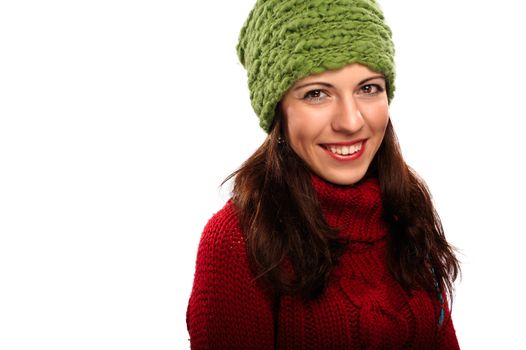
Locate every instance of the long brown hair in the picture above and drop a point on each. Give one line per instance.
(282, 221)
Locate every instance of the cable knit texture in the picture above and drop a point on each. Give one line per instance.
(283, 41)
(363, 307)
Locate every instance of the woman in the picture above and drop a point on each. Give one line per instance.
(330, 241)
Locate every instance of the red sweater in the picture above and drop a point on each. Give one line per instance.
(363, 307)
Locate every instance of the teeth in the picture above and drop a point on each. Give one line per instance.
(346, 150)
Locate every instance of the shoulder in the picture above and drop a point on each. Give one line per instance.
(224, 224)
(222, 257)
(225, 219)
(222, 236)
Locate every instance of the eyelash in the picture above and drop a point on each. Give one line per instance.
(307, 95)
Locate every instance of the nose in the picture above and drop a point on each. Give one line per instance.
(347, 116)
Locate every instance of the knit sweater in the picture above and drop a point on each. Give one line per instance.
(362, 307)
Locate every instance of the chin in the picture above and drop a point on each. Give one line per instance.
(342, 179)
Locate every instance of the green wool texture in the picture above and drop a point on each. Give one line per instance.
(283, 41)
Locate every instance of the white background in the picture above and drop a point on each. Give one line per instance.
(120, 119)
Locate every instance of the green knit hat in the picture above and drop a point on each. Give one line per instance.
(283, 41)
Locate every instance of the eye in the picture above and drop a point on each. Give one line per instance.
(372, 89)
(314, 95)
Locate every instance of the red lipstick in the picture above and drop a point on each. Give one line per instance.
(344, 158)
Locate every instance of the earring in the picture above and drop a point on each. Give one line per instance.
(281, 141)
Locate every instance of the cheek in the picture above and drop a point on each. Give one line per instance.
(297, 135)
(302, 126)
(378, 118)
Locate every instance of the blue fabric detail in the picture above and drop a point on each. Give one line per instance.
(441, 316)
(440, 299)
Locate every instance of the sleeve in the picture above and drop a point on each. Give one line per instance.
(227, 308)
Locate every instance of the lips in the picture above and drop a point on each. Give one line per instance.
(345, 150)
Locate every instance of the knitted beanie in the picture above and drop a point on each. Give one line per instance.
(283, 41)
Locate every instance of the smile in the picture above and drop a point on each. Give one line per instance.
(345, 151)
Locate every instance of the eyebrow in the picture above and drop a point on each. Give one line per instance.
(329, 85)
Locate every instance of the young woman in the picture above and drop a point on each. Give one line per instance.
(330, 240)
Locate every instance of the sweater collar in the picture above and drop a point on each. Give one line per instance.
(356, 210)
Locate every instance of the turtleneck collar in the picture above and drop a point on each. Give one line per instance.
(356, 210)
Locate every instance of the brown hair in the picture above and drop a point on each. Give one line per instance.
(282, 221)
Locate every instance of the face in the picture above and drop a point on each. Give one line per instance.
(335, 121)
